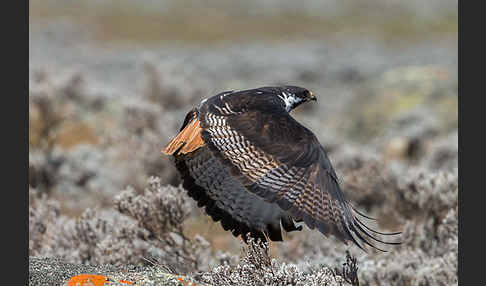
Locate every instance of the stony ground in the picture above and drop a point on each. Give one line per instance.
(101, 108)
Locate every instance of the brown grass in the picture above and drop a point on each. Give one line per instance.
(126, 22)
(76, 133)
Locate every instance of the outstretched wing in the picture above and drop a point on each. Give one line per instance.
(281, 161)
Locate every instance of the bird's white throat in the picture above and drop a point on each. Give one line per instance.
(290, 100)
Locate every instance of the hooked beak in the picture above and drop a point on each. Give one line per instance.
(313, 96)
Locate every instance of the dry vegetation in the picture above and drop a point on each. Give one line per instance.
(220, 22)
(77, 213)
(100, 191)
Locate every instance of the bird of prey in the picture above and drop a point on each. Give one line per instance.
(256, 169)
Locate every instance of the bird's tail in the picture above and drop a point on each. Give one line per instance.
(188, 140)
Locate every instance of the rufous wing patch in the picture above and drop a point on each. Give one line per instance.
(189, 139)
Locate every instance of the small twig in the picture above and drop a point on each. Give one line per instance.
(350, 270)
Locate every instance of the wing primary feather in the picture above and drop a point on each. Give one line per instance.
(372, 230)
(374, 238)
(361, 214)
(354, 240)
(355, 231)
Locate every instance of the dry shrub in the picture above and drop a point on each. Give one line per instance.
(364, 182)
(53, 101)
(172, 88)
(433, 262)
(56, 106)
(161, 211)
(43, 169)
(43, 212)
(143, 228)
(420, 195)
(257, 267)
(396, 191)
(74, 176)
(81, 143)
(155, 210)
(140, 117)
(145, 127)
(443, 153)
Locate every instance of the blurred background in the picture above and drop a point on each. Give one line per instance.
(110, 82)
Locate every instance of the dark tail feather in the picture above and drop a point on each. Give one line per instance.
(372, 230)
(358, 234)
(358, 228)
(354, 240)
(374, 238)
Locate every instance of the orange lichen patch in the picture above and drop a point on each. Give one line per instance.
(184, 283)
(189, 138)
(87, 279)
(93, 280)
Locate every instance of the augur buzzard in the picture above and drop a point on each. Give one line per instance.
(255, 168)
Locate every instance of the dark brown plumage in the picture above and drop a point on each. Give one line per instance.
(255, 168)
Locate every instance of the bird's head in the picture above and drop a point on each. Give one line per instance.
(293, 96)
